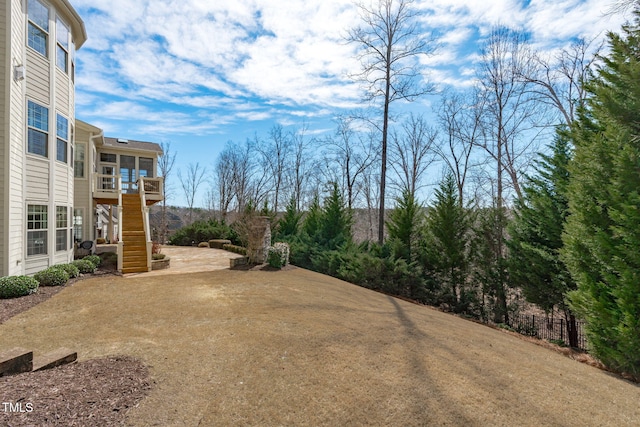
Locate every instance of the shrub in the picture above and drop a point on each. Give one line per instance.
(158, 256)
(70, 269)
(278, 255)
(203, 245)
(52, 276)
(17, 286)
(236, 249)
(203, 231)
(93, 259)
(85, 266)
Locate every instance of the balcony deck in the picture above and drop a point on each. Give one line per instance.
(106, 189)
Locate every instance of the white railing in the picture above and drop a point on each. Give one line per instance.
(120, 242)
(107, 184)
(151, 186)
(143, 185)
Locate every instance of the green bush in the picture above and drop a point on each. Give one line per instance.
(236, 249)
(17, 286)
(203, 245)
(158, 256)
(93, 259)
(85, 266)
(70, 269)
(52, 276)
(203, 231)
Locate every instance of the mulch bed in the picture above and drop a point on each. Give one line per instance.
(96, 392)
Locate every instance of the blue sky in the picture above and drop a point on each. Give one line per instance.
(198, 73)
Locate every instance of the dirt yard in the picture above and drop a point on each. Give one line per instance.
(299, 348)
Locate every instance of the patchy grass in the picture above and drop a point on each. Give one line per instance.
(299, 348)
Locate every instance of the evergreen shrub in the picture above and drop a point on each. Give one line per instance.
(52, 276)
(85, 266)
(17, 286)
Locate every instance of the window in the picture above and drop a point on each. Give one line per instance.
(79, 161)
(146, 167)
(38, 132)
(62, 46)
(107, 157)
(62, 222)
(38, 26)
(77, 225)
(128, 173)
(62, 131)
(36, 229)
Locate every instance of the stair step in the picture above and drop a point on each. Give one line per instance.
(15, 361)
(62, 356)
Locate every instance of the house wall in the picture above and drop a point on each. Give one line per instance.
(5, 82)
(15, 161)
(82, 197)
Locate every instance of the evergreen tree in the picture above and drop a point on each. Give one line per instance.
(311, 224)
(536, 236)
(602, 236)
(289, 224)
(335, 221)
(404, 224)
(448, 245)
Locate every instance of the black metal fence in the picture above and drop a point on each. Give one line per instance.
(547, 328)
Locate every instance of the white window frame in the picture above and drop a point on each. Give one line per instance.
(62, 228)
(40, 28)
(62, 45)
(37, 228)
(80, 160)
(37, 125)
(62, 138)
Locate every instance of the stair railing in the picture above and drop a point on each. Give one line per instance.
(145, 219)
(120, 242)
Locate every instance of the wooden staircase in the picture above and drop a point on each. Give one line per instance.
(134, 254)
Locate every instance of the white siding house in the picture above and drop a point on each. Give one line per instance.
(48, 162)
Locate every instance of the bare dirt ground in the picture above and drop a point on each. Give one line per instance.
(299, 348)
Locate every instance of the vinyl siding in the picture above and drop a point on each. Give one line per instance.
(39, 78)
(63, 99)
(16, 162)
(5, 82)
(38, 179)
(63, 188)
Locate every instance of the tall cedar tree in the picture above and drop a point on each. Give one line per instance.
(404, 224)
(448, 229)
(602, 236)
(335, 222)
(536, 236)
(289, 224)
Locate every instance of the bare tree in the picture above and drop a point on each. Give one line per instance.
(275, 153)
(190, 184)
(165, 165)
(413, 152)
(461, 120)
(390, 43)
(223, 176)
(558, 82)
(351, 155)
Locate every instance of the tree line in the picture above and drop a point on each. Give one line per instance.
(533, 174)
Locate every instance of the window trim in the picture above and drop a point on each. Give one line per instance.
(62, 227)
(78, 227)
(32, 126)
(60, 47)
(60, 139)
(44, 31)
(37, 217)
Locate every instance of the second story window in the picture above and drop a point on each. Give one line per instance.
(62, 46)
(38, 26)
(79, 161)
(38, 129)
(62, 141)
